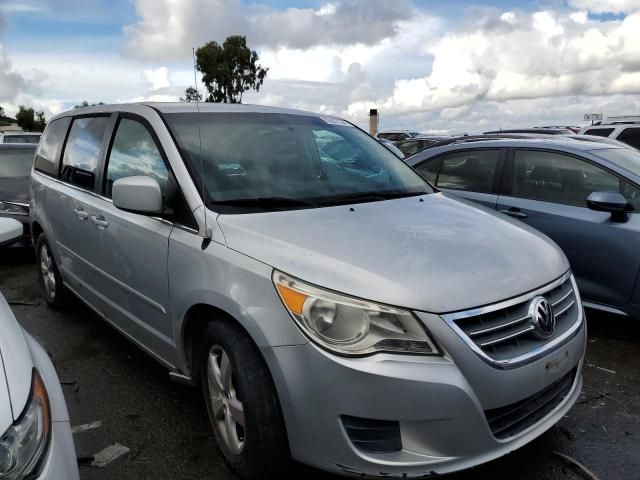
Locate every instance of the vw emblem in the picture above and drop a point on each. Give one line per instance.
(542, 317)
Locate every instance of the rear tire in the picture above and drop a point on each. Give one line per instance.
(242, 403)
(55, 293)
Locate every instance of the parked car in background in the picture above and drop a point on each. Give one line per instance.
(16, 162)
(414, 145)
(35, 433)
(585, 196)
(535, 130)
(391, 146)
(396, 135)
(626, 131)
(286, 262)
(20, 137)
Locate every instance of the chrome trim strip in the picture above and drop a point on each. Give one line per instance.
(564, 297)
(508, 337)
(532, 355)
(604, 308)
(507, 303)
(565, 308)
(475, 333)
(126, 287)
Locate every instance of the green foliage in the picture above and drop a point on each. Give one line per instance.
(230, 69)
(86, 104)
(29, 120)
(191, 95)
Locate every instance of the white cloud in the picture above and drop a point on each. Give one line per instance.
(168, 29)
(606, 6)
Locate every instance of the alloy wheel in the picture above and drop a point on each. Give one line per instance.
(227, 409)
(47, 269)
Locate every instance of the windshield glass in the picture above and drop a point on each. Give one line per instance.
(626, 158)
(21, 139)
(253, 158)
(16, 163)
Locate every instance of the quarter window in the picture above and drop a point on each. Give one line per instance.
(557, 178)
(134, 152)
(429, 170)
(469, 170)
(630, 136)
(50, 145)
(82, 151)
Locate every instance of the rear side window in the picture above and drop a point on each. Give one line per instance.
(472, 171)
(429, 170)
(50, 146)
(134, 152)
(630, 136)
(82, 151)
(599, 132)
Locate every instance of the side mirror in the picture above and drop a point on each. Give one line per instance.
(10, 231)
(139, 194)
(611, 202)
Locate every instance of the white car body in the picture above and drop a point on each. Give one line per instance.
(628, 133)
(20, 357)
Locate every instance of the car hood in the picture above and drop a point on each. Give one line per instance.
(15, 189)
(16, 366)
(432, 253)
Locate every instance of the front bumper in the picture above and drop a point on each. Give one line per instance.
(25, 240)
(439, 408)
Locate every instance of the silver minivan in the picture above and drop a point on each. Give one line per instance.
(336, 309)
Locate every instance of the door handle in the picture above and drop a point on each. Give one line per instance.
(81, 213)
(100, 221)
(514, 212)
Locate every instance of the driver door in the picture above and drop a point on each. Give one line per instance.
(548, 190)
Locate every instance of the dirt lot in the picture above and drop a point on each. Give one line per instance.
(164, 424)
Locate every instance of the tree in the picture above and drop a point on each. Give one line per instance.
(86, 104)
(29, 120)
(1, 112)
(230, 69)
(191, 95)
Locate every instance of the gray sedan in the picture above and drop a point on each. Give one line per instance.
(584, 195)
(16, 161)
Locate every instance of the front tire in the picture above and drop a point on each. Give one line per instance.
(242, 403)
(55, 293)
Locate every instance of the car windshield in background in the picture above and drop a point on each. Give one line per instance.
(16, 163)
(626, 158)
(282, 160)
(21, 139)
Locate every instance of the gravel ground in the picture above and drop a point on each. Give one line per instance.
(105, 378)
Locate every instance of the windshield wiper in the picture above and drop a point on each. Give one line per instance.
(264, 202)
(368, 197)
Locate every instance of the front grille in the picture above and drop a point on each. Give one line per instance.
(505, 422)
(508, 331)
(373, 436)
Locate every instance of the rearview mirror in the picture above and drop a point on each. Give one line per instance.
(10, 231)
(611, 202)
(138, 194)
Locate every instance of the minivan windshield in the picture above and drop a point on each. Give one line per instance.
(21, 139)
(272, 160)
(16, 163)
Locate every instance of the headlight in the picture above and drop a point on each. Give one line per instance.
(24, 445)
(349, 326)
(9, 208)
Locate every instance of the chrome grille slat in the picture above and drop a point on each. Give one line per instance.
(564, 297)
(504, 334)
(507, 337)
(565, 308)
(484, 331)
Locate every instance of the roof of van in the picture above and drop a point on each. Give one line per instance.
(186, 107)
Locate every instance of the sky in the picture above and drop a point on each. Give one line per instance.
(439, 66)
